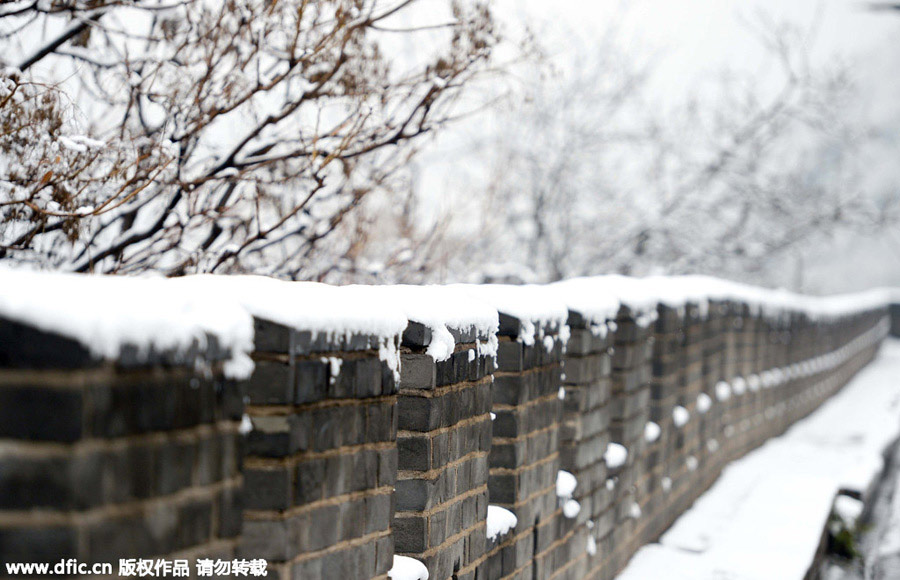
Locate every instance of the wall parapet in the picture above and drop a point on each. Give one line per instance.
(328, 429)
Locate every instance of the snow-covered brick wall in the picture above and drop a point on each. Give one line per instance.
(698, 343)
(129, 321)
(322, 436)
(527, 401)
(444, 438)
(120, 430)
(585, 424)
(365, 414)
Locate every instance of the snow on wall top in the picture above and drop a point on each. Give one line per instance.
(442, 309)
(436, 306)
(107, 313)
(382, 311)
(894, 294)
(319, 308)
(676, 291)
(592, 298)
(535, 306)
(598, 298)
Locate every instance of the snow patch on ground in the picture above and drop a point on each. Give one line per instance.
(565, 484)
(571, 508)
(704, 402)
(777, 498)
(651, 432)
(406, 568)
(499, 521)
(680, 416)
(615, 456)
(246, 425)
(723, 391)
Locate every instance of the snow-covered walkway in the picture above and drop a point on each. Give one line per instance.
(763, 518)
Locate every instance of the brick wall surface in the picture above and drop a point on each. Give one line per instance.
(321, 460)
(585, 435)
(525, 454)
(443, 441)
(101, 460)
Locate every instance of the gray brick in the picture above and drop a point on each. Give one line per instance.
(267, 539)
(419, 413)
(230, 511)
(414, 453)
(41, 413)
(24, 346)
(271, 337)
(378, 513)
(271, 383)
(387, 467)
(510, 356)
(416, 335)
(384, 550)
(312, 380)
(414, 494)
(409, 534)
(194, 523)
(38, 544)
(268, 489)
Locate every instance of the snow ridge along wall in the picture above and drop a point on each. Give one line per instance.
(895, 316)
(330, 429)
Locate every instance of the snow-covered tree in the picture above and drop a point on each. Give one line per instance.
(216, 135)
(595, 172)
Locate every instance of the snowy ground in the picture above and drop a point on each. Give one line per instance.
(764, 517)
(879, 543)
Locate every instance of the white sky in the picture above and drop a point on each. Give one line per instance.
(696, 37)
